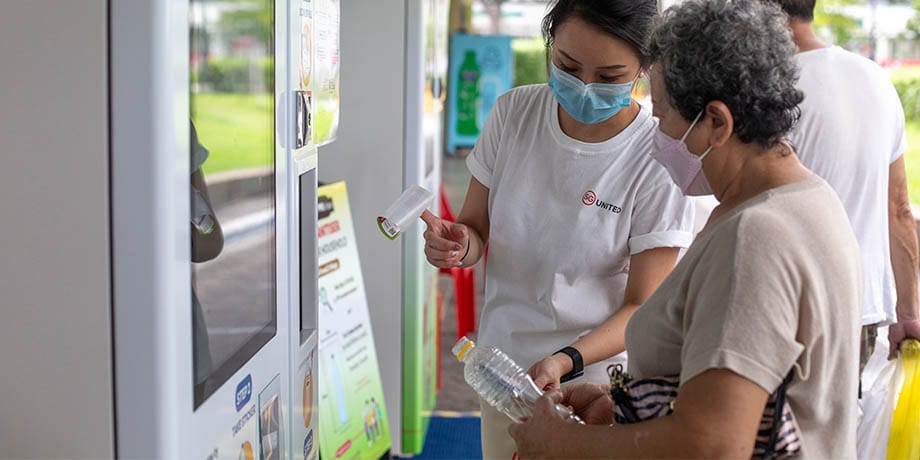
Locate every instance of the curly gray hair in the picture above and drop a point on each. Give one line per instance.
(737, 52)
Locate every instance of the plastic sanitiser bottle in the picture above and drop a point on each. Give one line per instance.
(500, 381)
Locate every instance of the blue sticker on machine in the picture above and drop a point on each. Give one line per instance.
(243, 393)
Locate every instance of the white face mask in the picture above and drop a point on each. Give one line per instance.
(685, 168)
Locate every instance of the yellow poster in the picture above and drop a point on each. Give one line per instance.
(352, 415)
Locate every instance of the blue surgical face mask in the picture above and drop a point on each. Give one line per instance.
(591, 103)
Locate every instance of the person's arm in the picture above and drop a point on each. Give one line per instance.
(902, 230)
(647, 270)
(447, 242)
(716, 415)
(462, 243)
(475, 215)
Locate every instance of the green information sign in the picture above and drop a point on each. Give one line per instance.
(352, 415)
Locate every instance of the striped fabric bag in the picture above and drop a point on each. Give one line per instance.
(644, 399)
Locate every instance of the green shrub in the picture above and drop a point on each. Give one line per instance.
(232, 75)
(907, 81)
(223, 75)
(268, 73)
(908, 87)
(529, 61)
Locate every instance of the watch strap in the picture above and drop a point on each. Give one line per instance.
(578, 364)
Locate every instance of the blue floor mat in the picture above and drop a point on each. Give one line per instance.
(452, 438)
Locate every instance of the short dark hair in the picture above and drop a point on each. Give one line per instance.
(798, 9)
(628, 20)
(738, 52)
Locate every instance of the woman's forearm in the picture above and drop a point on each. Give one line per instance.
(647, 270)
(663, 437)
(476, 246)
(475, 217)
(608, 339)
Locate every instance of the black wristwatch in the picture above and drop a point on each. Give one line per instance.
(578, 365)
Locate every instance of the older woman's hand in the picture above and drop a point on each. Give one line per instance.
(543, 434)
(590, 401)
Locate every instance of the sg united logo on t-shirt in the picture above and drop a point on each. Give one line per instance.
(590, 198)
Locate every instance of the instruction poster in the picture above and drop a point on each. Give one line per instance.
(326, 33)
(352, 415)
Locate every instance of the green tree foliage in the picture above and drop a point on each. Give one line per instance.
(249, 18)
(913, 24)
(834, 24)
(907, 82)
(529, 61)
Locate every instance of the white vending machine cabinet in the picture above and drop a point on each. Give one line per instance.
(160, 263)
(214, 211)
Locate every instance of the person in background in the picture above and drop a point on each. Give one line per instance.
(770, 289)
(582, 223)
(852, 134)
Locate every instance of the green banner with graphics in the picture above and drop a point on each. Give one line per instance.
(352, 415)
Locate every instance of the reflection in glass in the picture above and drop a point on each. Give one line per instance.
(232, 186)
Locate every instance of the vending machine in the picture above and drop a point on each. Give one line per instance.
(213, 182)
(160, 294)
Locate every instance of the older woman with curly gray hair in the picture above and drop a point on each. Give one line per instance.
(762, 313)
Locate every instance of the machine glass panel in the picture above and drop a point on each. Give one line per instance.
(232, 193)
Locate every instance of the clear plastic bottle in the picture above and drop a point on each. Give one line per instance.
(500, 381)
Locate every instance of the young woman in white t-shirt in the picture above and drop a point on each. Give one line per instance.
(582, 224)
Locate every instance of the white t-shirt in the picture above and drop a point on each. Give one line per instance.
(565, 217)
(771, 286)
(851, 130)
